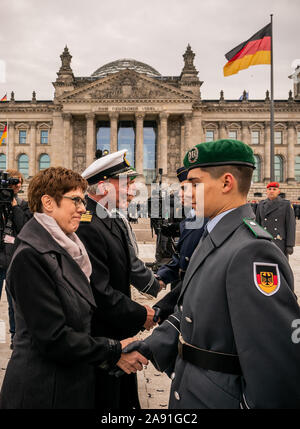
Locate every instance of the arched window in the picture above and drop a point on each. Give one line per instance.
(23, 165)
(297, 168)
(257, 172)
(2, 161)
(44, 161)
(278, 168)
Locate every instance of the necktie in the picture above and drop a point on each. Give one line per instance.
(205, 233)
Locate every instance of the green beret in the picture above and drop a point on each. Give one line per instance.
(219, 152)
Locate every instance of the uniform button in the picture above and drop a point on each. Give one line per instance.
(275, 229)
(266, 218)
(177, 396)
(172, 375)
(187, 258)
(181, 308)
(188, 319)
(275, 220)
(265, 227)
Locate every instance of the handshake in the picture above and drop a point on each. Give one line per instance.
(134, 355)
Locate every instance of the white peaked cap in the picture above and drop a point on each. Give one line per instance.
(107, 166)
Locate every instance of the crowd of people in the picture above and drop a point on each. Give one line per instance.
(223, 332)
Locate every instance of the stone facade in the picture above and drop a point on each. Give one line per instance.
(129, 90)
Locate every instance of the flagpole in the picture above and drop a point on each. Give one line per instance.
(272, 110)
(6, 164)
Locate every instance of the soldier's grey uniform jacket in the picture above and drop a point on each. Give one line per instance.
(278, 218)
(237, 299)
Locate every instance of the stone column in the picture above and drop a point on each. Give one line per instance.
(163, 116)
(222, 130)
(113, 131)
(291, 140)
(245, 132)
(57, 140)
(188, 144)
(267, 152)
(68, 140)
(182, 134)
(10, 146)
(139, 142)
(90, 138)
(158, 148)
(32, 150)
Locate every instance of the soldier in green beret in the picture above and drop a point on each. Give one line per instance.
(230, 341)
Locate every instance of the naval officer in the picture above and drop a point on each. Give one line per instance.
(231, 340)
(114, 268)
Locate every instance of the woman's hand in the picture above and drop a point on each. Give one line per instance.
(131, 362)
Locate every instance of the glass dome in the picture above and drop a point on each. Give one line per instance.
(123, 64)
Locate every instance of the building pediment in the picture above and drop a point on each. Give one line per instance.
(125, 86)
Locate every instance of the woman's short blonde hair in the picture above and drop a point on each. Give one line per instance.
(53, 181)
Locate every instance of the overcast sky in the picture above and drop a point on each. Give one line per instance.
(34, 33)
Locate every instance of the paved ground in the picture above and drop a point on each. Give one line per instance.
(153, 386)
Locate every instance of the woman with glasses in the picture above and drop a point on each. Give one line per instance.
(54, 356)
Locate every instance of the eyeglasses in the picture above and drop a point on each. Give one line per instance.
(76, 200)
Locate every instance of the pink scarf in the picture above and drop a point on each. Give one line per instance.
(70, 242)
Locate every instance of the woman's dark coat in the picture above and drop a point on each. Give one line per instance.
(54, 357)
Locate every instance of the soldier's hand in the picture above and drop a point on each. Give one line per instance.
(132, 362)
(162, 285)
(149, 321)
(289, 250)
(156, 317)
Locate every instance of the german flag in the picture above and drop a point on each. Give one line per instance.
(256, 50)
(4, 135)
(4, 98)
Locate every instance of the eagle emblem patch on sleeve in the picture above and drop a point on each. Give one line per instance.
(266, 277)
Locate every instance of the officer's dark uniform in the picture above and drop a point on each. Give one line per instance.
(231, 338)
(278, 218)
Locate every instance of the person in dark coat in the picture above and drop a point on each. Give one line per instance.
(54, 358)
(14, 222)
(277, 216)
(191, 230)
(231, 341)
(110, 250)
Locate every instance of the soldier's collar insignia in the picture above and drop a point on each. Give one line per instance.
(86, 217)
(256, 229)
(266, 277)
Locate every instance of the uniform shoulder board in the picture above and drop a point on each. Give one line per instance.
(86, 217)
(257, 230)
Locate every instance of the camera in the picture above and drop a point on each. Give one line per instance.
(6, 193)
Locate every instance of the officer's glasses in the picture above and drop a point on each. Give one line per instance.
(76, 200)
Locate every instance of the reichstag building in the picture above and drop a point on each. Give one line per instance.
(129, 104)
